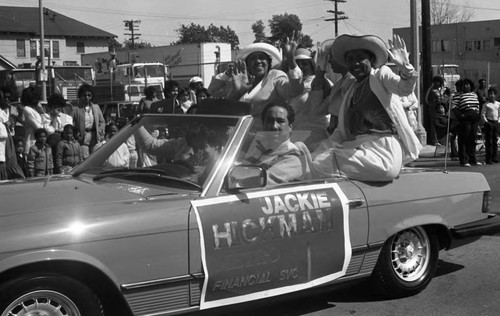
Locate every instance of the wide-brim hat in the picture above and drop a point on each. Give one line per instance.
(345, 43)
(195, 79)
(269, 49)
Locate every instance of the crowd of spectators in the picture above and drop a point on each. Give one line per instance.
(56, 137)
(463, 119)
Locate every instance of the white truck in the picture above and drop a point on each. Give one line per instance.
(183, 61)
(449, 72)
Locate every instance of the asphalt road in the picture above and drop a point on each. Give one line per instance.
(467, 281)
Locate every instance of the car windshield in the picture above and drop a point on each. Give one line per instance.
(183, 147)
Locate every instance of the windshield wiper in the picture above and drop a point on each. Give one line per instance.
(129, 172)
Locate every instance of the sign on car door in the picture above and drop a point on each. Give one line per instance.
(272, 242)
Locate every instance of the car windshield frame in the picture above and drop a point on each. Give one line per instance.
(94, 165)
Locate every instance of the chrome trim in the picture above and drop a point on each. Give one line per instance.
(216, 179)
(378, 244)
(356, 202)
(360, 248)
(138, 285)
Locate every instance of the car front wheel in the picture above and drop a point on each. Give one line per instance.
(48, 295)
(406, 263)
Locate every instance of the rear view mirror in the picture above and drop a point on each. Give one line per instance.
(246, 177)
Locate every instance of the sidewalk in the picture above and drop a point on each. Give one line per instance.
(433, 157)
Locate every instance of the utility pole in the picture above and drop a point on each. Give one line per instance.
(415, 61)
(132, 26)
(42, 72)
(338, 15)
(426, 71)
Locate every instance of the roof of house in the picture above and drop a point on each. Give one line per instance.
(25, 20)
(6, 64)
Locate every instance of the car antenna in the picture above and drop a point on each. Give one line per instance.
(447, 136)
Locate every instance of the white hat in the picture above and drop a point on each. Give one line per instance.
(374, 44)
(269, 49)
(195, 79)
(303, 53)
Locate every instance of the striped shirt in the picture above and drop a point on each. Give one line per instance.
(465, 101)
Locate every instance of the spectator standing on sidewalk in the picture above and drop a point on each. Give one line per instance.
(88, 120)
(150, 98)
(466, 109)
(482, 93)
(68, 151)
(436, 95)
(169, 105)
(40, 159)
(31, 118)
(490, 114)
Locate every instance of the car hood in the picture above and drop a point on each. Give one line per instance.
(44, 212)
(65, 192)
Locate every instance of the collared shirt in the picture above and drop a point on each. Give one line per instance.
(89, 118)
(58, 122)
(490, 111)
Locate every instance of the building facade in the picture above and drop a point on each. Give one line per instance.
(473, 46)
(66, 39)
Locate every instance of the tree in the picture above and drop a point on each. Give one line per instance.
(195, 33)
(127, 44)
(444, 12)
(281, 26)
(258, 29)
(114, 45)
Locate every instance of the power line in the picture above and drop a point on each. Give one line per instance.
(338, 15)
(132, 26)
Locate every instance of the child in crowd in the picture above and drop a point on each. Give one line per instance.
(22, 160)
(121, 156)
(40, 160)
(490, 114)
(69, 152)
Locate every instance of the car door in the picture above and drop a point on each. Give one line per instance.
(270, 240)
(275, 240)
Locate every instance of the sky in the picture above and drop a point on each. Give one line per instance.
(160, 18)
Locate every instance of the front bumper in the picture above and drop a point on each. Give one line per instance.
(465, 233)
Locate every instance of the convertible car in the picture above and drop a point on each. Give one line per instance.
(195, 223)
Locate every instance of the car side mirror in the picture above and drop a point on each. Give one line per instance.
(246, 177)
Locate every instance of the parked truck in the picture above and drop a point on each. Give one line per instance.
(134, 78)
(60, 79)
(120, 88)
(183, 61)
(67, 79)
(13, 81)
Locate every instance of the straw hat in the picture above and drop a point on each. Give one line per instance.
(374, 44)
(269, 49)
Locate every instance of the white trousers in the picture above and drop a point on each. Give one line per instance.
(371, 157)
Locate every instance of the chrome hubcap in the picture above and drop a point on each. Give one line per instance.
(410, 254)
(42, 303)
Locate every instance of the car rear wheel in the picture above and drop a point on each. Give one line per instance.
(48, 295)
(406, 263)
